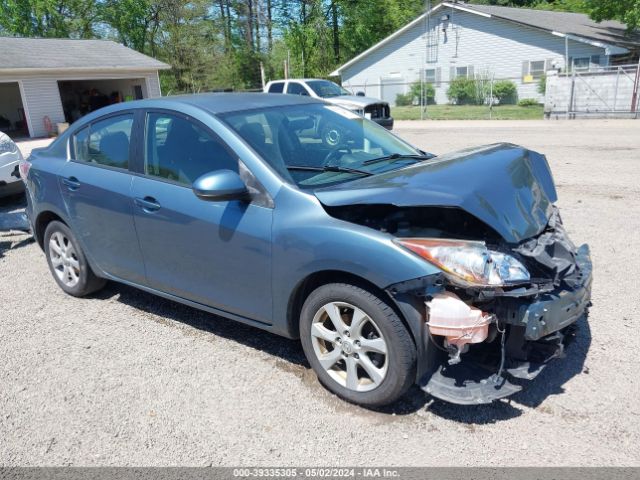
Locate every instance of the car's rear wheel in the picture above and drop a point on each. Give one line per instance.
(357, 344)
(67, 261)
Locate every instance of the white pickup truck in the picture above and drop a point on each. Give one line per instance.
(368, 107)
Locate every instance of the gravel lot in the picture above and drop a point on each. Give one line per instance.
(126, 378)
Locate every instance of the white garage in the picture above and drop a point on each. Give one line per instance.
(44, 82)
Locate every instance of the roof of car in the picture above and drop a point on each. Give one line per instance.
(215, 103)
(232, 102)
(299, 80)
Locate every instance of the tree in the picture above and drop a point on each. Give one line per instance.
(135, 22)
(626, 11)
(559, 5)
(49, 18)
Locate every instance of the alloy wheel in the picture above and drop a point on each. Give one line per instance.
(64, 259)
(349, 346)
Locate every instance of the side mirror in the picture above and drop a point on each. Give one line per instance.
(359, 94)
(221, 185)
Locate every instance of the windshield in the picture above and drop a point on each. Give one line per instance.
(326, 89)
(317, 145)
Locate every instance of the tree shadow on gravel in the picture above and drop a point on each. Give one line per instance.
(549, 382)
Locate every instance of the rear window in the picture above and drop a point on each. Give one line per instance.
(105, 142)
(277, 87)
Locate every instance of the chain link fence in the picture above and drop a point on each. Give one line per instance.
(481, 89)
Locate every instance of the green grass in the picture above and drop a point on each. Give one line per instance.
(469, 112)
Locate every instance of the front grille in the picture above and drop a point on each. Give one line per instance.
(377, 110)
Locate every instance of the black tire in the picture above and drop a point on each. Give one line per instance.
(87, 282)
(401, 350)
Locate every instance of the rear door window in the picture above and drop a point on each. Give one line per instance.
(295, 88)
(105, 142)
(277, 87)
(180, 150)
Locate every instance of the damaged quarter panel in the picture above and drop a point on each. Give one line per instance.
(507, 187)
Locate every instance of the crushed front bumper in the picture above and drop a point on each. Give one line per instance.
(535, 332)
(552, 311)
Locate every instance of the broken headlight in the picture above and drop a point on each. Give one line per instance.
(468, 263)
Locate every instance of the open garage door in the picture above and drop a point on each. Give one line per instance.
(13, 121)
(80, 97)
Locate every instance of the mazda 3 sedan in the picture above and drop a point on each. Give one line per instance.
(391, 265)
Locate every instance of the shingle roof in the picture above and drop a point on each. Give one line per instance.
(578, 24)
(53, 53)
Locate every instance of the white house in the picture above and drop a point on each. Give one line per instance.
(457, 39)
(48, 81)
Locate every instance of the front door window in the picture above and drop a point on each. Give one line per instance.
(180, 151)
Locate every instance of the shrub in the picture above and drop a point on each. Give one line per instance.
(528, 102)
(506, 92)
(542, 85)
(462, 91)
(426, 90)
(402, 99)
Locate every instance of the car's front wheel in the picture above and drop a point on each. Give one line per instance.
(357, 344)
(68, 263)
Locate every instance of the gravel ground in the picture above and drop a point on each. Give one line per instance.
(126, 378)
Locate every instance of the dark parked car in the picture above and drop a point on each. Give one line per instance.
(392, 266)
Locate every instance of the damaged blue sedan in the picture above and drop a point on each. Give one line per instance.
(392, 266)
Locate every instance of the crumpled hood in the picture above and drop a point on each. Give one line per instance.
(507, 187)
(353, 101)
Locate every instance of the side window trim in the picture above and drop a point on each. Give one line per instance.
(132, 147)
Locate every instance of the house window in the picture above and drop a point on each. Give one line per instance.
(533, 70)
(465, 71)
(430, 75)
(536, 69)
(462, 72)
(581, 64)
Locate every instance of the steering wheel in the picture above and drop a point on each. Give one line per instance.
(333, 154)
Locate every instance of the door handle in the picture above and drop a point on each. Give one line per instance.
(148, 204)
(72, 183)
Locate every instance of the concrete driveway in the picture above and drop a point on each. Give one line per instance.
(126, 378)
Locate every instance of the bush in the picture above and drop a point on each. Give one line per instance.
(403, 100)
(528, 102)
(427, 91)
(542, 85)
(506, 92)
(462, 91)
